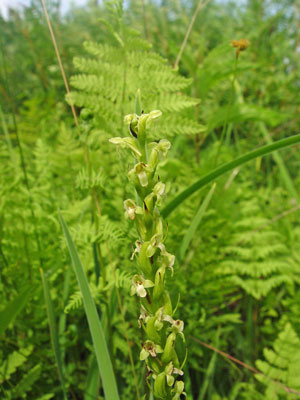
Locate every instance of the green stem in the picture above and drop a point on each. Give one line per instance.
(224, 130)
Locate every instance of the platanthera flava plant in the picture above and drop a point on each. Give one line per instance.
(154, 263)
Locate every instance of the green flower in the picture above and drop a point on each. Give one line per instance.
(137, 249)
(131, 209)
(159, 151)
(139, 286)
(167, 259)
(165, 377)
(132, 121)
(126, 142)
(161, 317)
(144, 316)
(138, 123)
(155, 196)
(178, 390)
(150, 348)
(140, 171)
(176, 325)
(170, 370)
(145, 120)
(153, 245)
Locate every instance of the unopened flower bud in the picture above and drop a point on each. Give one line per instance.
(151, 331)
(169, 353)
(160, 389)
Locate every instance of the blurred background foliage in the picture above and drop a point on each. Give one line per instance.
(239, 277)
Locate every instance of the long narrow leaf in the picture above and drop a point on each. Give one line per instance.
(196, 221)
(62, 322)
(92, 381)
(13, 309)
(210, 370)
(53, 333)
(211, 176)
(100, 347)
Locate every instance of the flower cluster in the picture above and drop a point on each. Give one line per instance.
(153, 260)
(240, 45)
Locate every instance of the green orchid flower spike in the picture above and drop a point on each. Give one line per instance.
(154, 263)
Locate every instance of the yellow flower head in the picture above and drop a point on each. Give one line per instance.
(241, 45)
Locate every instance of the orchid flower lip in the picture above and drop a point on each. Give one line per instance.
(139, 285)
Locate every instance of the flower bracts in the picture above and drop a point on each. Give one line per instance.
(154, 263)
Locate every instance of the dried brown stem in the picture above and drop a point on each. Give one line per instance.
(200, 5)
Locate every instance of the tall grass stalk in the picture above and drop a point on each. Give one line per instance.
(226, 126)
(201, 4)
(99, 343)
(54, 334)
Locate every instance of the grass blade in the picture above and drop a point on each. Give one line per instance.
(196, 221)
(210, 370)
(219, 171)
(99, 343)
(53, 333)
(92, 382)
(13, 309)
(62, 322)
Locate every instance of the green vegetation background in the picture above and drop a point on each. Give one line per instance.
(238, 273)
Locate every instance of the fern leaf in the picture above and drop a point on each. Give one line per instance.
(282, 363)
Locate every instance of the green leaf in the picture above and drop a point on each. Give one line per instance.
(138, 103)
(53, 333)
(100, 347)
(210, 371)
(92, 382)
(219, 171)
(12, 362)
(27, 381)
(13, 309)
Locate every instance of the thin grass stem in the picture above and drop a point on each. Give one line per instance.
(200, 5)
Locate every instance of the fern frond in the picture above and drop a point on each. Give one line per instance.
(13, 362)
(260, 288)
(122, 279)
(256, 261)
(173, 103)
(74, 303)
(104, 51)
(86, 181)
(108, 83)
(282, 364)
(27, 381)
